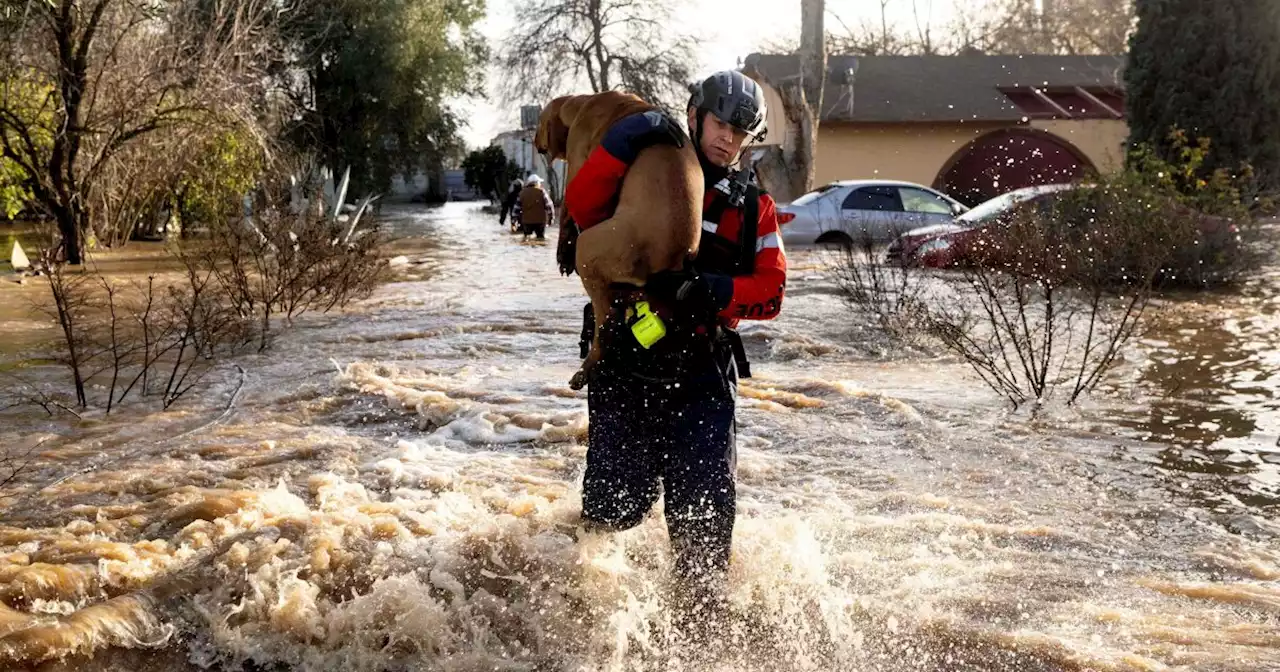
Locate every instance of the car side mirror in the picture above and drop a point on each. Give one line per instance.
(958, 209)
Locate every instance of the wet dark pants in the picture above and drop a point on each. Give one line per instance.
(539, 230)
(644, 432)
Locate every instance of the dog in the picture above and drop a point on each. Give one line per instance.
(657, 224)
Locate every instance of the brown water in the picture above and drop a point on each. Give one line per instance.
(25, 322)
(394, 489)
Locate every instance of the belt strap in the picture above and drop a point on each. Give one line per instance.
(747, 237)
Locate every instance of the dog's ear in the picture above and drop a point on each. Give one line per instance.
(552, 137)
(571, 107)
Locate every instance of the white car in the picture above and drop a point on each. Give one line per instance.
(843, 213)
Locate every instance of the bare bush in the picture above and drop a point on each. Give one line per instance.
(203, 327)
(889, 293)
(18, 392)
(14, 462)
(1052, 293)
(70, 299)
(157, 338)
(12, 466)
(165, 336)
(282, 264)
(1026, 338)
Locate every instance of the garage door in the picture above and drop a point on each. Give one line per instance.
(1002, 161)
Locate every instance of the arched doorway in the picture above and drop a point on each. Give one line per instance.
(1009, 159)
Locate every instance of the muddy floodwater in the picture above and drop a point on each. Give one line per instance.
(394, 488)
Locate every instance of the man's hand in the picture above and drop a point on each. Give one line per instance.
(629, 135)
(708, 292)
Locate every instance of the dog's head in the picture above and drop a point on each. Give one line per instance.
(552, 137)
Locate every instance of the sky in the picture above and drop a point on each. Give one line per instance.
(728, 29)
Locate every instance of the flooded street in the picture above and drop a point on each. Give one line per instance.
(396, 487)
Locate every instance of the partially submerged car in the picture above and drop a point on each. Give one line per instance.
(1203, 248)
(849, 212)
(949, 244)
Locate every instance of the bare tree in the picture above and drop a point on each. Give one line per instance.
(981, 30)
(876, 35)
(991, 27)
(813, 80)
(630, 45)
(87, 80)
(1063, 26)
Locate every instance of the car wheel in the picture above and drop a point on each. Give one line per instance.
(836, 239)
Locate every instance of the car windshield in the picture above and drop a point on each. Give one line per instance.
(813, 195)
(988, 209)
(995, 206)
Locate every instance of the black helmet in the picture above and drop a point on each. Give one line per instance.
(733, 97)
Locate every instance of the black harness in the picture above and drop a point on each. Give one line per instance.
(746, 196)
(749, 201)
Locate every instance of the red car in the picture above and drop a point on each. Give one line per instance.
(947, 245)
(1212, 257)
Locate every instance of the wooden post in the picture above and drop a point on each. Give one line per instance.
(813, 75)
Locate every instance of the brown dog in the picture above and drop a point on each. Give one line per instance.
(658, 221)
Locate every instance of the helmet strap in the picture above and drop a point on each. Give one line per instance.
(699, 115)
(747, 146)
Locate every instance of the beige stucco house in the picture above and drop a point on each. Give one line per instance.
(974, 126)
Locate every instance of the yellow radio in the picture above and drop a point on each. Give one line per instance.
(648, 329)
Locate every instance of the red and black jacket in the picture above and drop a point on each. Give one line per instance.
(752, 255)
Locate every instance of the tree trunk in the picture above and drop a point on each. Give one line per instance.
(69, 226)
(73, 42)
(602, 82)
(774, 174)
(788, 172)
(435, 181)
(813, 76)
